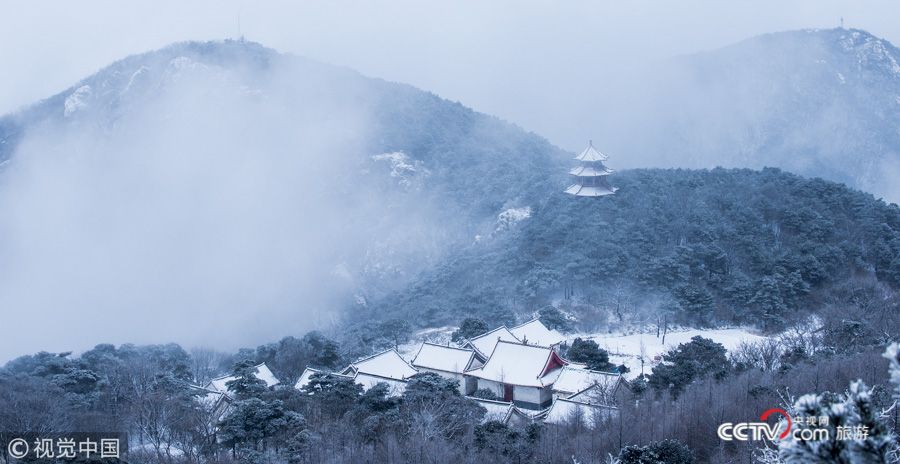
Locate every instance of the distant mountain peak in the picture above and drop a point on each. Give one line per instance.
(817, 102)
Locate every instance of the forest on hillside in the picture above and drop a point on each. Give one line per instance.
(701, 248)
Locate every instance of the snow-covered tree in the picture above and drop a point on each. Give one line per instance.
(855, 432)
(855, 435)
(893, 354)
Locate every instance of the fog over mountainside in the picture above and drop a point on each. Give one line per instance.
(815, 102)
(223, 194)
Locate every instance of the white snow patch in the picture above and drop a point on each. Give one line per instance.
(514, 215)
(403, 168)
(869, 50)
(439, 335)
(841, 78)
(509, 218)
(137, 75)
(179, 67)
(628, 349)
(76, 101)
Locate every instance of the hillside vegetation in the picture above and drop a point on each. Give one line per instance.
(696, 247)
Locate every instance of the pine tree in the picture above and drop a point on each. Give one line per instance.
(471, 327)
(590, 354)
(246, 384)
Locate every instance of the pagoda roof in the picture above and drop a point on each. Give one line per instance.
(590, 171)
(590, 191)
(591, 154)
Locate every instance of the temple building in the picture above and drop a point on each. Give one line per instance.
(518, 375)
(591, 174)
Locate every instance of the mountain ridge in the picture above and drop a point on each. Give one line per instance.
(419, 192)
(814, 102)
(231, 150)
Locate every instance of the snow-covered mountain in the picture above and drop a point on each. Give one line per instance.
(223, 181)
(815, 102)
(254, 194)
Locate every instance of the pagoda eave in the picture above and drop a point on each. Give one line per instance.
(590, 191)
(584, 173)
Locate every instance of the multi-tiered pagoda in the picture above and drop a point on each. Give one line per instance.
(591, 175)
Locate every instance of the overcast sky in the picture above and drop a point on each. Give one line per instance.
(501, 57)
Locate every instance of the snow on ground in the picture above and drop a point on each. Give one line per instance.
(627, 348)
(439, 335)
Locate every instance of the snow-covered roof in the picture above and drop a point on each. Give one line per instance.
(564, 411)
(395, 387)
(590, 191)
(534, 332)
(207, 396)
(519, 364)
(388, 364)
(591, 154)
(590, 171)
(309, 372)
(304, 377)
(485, 343)
(496, 410)
(443, 358)
(262, 372)
(217, 403)
(573, 379)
